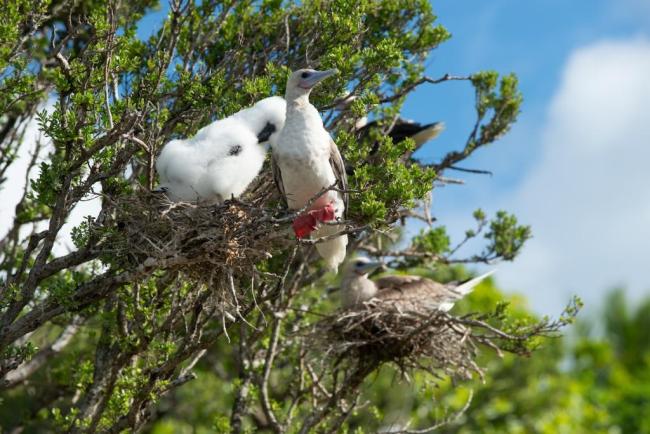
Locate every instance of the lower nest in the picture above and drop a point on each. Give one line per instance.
(379, 333)
(151, 231)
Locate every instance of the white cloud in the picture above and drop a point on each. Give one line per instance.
(588, 197)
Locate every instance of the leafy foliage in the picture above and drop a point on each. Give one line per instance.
(435, 241)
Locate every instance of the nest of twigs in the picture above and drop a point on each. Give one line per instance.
(198, 240)
(377, 333)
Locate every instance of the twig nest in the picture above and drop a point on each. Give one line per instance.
(377, 332)
(199, 240)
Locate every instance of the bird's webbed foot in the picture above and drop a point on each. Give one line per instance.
(306, 223)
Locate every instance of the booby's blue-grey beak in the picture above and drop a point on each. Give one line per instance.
(309, 79)
(367, 267)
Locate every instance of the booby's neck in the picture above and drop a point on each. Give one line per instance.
(357, 289)
(303, 116)
(297, 98)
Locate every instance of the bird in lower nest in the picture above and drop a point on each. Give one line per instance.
(223, 158)
(405, 293)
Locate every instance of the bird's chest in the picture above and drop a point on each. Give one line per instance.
(357, 291)
(304, 163)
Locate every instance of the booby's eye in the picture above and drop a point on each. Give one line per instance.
(305, 75)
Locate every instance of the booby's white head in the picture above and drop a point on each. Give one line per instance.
(355, 285)
(265, 118)
(302, 81)
(361, 266)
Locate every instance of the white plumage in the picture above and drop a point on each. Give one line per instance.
(306, 161)
(223, 158)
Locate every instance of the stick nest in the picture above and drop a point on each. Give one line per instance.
(377, 333)
(199, 240)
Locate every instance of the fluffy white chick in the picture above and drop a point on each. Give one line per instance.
(223, 158)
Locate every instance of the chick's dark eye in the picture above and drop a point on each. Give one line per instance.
(304, 75)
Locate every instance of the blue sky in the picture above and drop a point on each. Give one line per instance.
(565, 54)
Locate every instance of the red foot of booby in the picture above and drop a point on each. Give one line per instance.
(306, 223)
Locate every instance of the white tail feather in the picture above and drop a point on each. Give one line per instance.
(332, 251)
(427, 134)
(467, 287)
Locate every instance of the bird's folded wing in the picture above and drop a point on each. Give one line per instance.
(277, 177)
(397, 281)
(338, 166)
(411, 288)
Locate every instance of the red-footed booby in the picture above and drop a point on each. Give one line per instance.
(400, 130)
(223, 158)
(403, 129)
(404, 292)
(306, 161)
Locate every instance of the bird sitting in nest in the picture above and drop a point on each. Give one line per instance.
(223, 158)
(403, 292)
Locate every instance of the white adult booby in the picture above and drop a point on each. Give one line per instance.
(223, 158)
(404, 292)
(306, 161)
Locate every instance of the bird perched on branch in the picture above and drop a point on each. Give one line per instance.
(403, 129)
(306, 161)
(398, 130)
(223, 158)
(405, 293)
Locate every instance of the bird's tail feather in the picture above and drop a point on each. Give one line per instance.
(428, 132)
(466, 287)
(332, 251)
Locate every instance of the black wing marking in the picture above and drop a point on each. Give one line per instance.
(266, 132)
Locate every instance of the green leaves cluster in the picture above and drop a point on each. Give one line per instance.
(506, 237)
(503, 104)
(388, 186)
(434, 241)
(497, 104)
